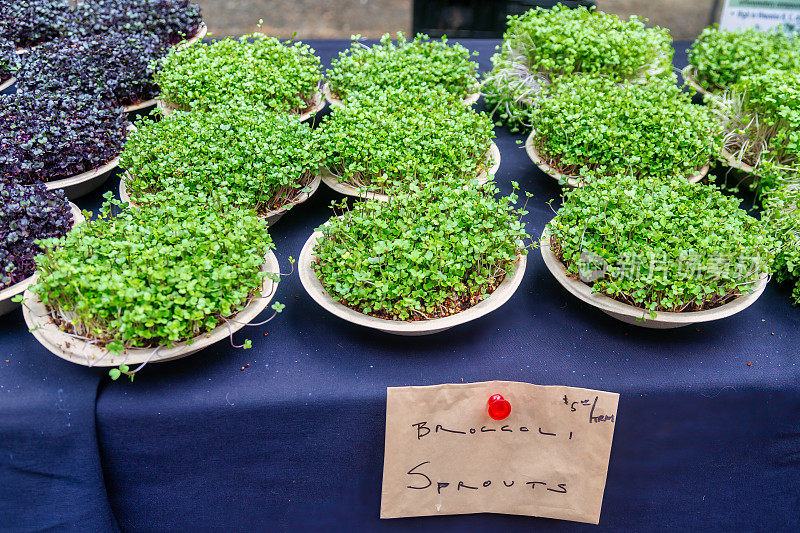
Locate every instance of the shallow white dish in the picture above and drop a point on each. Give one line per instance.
(84, 183)
(8, 83)
(140, 106)
(81, 352)
(314, 288)
(636, 315)
(273, 216)
(333, 182)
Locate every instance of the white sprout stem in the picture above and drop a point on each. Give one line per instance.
(149, 357)
(230, 333)
(274, 314)
(83, 352)
(272, 290)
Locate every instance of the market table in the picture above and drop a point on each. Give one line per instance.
(707, 436)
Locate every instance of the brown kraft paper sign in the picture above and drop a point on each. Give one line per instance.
(446, 455)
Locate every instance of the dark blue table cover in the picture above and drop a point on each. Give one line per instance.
(295, 441)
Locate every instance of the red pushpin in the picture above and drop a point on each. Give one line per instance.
(499, 408)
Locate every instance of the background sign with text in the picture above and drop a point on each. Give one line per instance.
(764, 14)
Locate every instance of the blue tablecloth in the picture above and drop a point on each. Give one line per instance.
(295, 441)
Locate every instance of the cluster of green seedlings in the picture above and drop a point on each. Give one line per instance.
(660, 245)
(719, 59)
(588, 127)
(385, 138)
(429, 252)
(761, 118)
(442, 241)
(187, 253)
(420, 62)
(545, 44)
(234, 135)
(781, 210)
(244, 156)
(154, 276)
(253, 69)
(754, 79)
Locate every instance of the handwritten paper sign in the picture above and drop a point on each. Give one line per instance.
(445, 455)
(764, 14)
